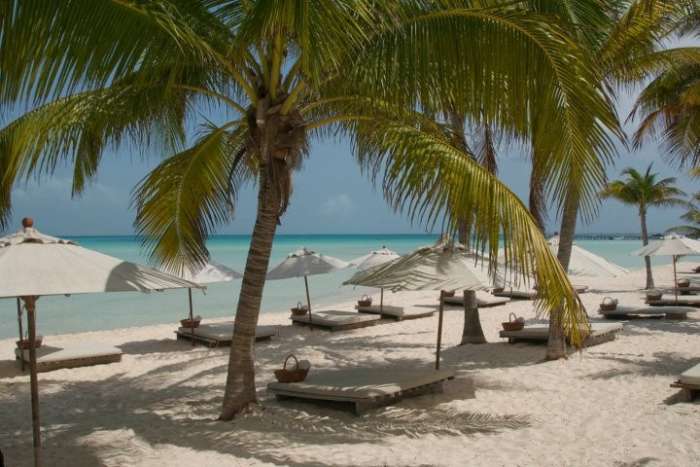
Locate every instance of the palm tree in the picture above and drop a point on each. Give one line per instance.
(127, 73)
(645, 191)
(692, 215)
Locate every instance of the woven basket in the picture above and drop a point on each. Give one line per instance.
(448, 293)
(24, 343)
(294, 375)
(654, 295)
(513, 323)
(299, 310)
(608, 304)
(365, 300)
(683, 283)
(190, 323)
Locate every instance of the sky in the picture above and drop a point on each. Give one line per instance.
(331, 196)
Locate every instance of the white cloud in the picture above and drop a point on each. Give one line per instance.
(338, 206)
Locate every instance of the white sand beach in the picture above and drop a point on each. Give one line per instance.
(608, 405)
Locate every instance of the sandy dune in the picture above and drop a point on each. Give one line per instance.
(610, 405)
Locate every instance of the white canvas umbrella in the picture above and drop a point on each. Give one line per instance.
(672, 245)
(210, 273)
(374, 259)
(304, 263)
(34, 265)
(587, 263)
(444, 266)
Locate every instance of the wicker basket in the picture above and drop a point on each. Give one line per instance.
(365, 300)
(294, 375)
(513, 323)
(654, 295)
(608, 304)
(190, 323)
(448, 293)
(299, 310)
(683, 283)
(24, 343)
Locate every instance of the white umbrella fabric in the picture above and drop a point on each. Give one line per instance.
(672, 245)
(444, 266)
(586, 263)
(34, 265)
(304, 263)
(210, 273)
(374, 259)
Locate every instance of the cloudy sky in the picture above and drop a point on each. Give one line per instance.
(330, 196)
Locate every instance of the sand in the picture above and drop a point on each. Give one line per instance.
(609, 405)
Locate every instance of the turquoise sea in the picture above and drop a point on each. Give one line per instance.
(58, 315)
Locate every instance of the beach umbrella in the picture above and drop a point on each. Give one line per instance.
(444, 266)
(305, 263)
(672, 245)
(210, 273)
(34, 265)
(587, 263)
(373, 259)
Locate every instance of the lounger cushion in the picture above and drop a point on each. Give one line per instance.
(482, 299)
(541, 331)
(386, 309)
(360, 383)
(332, 318)
(224, 331)
(47, 353)
(691, 376)
(670, 298)
(647, 310)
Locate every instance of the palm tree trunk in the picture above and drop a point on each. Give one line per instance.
(537, 205)
(556, 345)
(472, 333)
(645, 242)
(240, 382)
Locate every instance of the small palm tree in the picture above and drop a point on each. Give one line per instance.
(692, 216)
(645, 191)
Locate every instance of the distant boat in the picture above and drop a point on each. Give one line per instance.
(619, 238)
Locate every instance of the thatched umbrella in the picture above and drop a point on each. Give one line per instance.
(373, 259)
(672, 245)
(34, 265)
(305, 263)
(444, 267)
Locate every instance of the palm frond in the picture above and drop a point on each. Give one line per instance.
(189, 194)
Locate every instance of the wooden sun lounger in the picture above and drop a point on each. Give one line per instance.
(49, 358)
(670, 300)
(221, 334)
(364, 389)
(689, 383)
(600, 333)
(669, 312)
(336, 320)
(684, 291)
(398, 313)
(516, 294)
(483, 300)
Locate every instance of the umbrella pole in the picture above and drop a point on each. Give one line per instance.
(189, 295)
(308, 297)
(30, 302)
(439, 333)
(675, 278)
(381, 300)
(21, 332)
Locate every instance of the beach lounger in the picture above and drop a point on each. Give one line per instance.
(689, 382)
(363, 389)
(221, 334)
(670, 300)
(398, 313)
(669, 312)
(336, 320)
(516, 294)
(49, 358)
(483, 300)
(600, 333)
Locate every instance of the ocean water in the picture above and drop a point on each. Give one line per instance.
(78, 313)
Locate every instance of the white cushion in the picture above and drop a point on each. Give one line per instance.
(47, 353)
(691, 376)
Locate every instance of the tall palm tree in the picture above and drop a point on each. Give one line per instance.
(645, 190)
(692, 216)
(128, 73)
